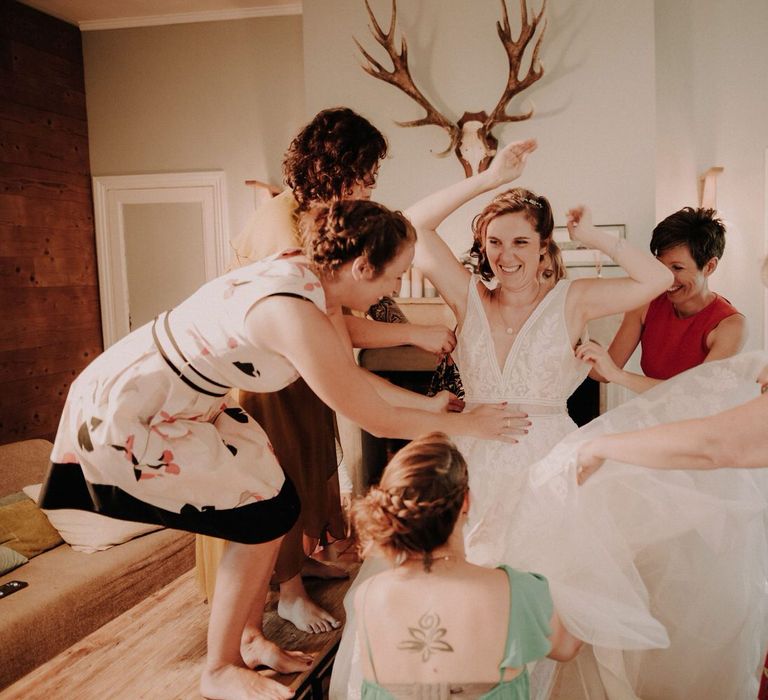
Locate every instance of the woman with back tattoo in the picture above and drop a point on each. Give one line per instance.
(434, 621)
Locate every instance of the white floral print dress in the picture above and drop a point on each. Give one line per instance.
(150, 433)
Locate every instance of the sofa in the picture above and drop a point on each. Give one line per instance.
(71, 593)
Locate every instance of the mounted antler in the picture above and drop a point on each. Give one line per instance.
(400, 76)
(471, 137)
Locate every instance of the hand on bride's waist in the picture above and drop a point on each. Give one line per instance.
(511, 422)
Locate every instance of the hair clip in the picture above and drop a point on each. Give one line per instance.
(532, 202)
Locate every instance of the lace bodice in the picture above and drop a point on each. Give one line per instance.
(540, 368)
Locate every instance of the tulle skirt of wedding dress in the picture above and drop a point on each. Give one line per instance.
(663, 572)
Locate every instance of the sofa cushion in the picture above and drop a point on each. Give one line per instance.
(25, 529)
(70, 594)
(90, 532)
(10, 559)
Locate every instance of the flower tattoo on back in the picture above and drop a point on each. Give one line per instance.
(427, 638)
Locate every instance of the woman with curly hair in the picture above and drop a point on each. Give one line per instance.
(335, 157)
(149, 433)
(434, 622)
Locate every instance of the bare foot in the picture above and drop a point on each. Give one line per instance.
(312, 568)
(236, 683)
(258, 651)
(306, 615)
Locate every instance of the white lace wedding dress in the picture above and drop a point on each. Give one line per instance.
(663, 572)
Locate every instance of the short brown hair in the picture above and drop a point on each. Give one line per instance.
(535, 208)
(415, 507)
(699, 229)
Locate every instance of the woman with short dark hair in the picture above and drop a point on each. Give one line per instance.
(686, 325)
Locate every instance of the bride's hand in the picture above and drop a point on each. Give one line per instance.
(508, 164)
(579, 223)
(588, 462)
(497, 422)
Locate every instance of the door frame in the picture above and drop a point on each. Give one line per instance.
(112, 192)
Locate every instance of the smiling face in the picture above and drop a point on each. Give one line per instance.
(691, 282)
(514, 250)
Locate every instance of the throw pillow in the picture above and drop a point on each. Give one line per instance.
(25, 529)
(90, 532)
(10, 559)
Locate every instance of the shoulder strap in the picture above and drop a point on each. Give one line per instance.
(504, 665)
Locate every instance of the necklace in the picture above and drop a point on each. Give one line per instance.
(512, 329)
(509, 330)
(427, 555)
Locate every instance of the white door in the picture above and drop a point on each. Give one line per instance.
(158, 238)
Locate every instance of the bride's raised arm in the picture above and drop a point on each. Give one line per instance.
(433, 256)
(595, 298)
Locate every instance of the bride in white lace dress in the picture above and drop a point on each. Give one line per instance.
(517, 337)
(663, 574)
(517, 340)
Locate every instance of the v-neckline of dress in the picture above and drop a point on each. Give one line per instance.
(501, 370)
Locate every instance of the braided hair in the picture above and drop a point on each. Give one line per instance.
(415, 507)
(536, 209)
(335, 233)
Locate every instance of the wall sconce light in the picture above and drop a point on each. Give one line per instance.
(708, 188)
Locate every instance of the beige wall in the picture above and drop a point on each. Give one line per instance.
(638, 98)
(206, 96)
(713, 96)
(594, 107)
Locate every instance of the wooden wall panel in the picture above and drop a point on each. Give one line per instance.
(50, 323)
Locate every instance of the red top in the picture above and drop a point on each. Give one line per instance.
(671, 344)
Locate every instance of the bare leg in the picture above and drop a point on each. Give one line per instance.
(255, 649)
(225, 676)
(297, 607)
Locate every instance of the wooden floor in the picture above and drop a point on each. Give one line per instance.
(156, 650)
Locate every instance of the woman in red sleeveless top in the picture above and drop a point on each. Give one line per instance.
(685, 326)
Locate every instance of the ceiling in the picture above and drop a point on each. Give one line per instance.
(116, 14)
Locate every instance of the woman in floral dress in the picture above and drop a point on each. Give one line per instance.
(148, 433)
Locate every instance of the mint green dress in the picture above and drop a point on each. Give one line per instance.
(528, 632)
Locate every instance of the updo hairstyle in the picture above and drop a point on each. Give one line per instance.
(335, 233)
(336, 150)
(415, 507)
(535, 208)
